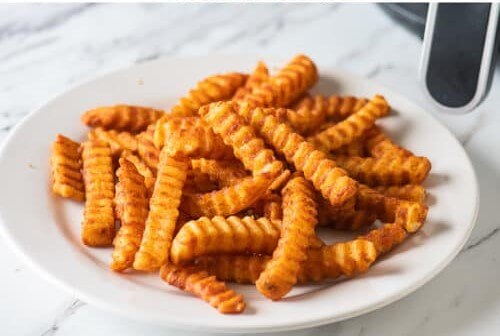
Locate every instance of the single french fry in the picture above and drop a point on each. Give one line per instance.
(272, 208)
(386, 237)
(379, 144)
(117, 141)
(146, 148)
(211, 89)
(98, 226)
(297, 232)
(163, 213)
(221, 235)
(127, 118)
(259, 75)
(65, 165)
(308, 114)
(226, 201)
(224, 172)
(132, 200)
(408, 192)
(199, 283)
(352, 127)
(386, 171)
(340, 107)
(331, 180)
(143, 169)
(287, 86)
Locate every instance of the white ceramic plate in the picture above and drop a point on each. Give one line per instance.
(46, 229)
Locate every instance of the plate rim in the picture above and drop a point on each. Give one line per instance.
(171, 322)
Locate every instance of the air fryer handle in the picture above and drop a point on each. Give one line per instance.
(458, 54)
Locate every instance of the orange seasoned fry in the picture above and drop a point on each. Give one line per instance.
(131, 199)
(328, 262)
(249, 148)
(308, 114)
(353, 126)
(287, 86)
(259, 75)
(199, 283)
(386, 237)
(211, 89)
(226, 201)
(386, 170)
(378, 144)
(297, 232)
(355, 148)
(146, 148)
(272, 208)
(127, 118)
(411, 215)
(163, 213)
(65, 165)
(408, 192)
(340, 108)
(98, 226)
(225, 173)
(143, 169)
(117, 141)
(190, 136)
(332, 181)
(222, 236)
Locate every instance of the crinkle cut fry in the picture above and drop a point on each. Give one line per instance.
(407, 192)
(222, 236)
(65, 165)
(327, 262)
(143, 169)
(378, 144)
(163, 213)
(225, 173)
(191, 137)
(352, 127)
(132, 200)
(249, 148)
(128, 118)
(211, 89)
(332, 181)
(386, 237)
(411, 215)
(308, 114)
(226, 201)
(146, 148)
(259, 75)
(340, 107)
(287, 86)
(117, 141)
(297, 232)
(386, 171)
(199, 283)
(98, 226)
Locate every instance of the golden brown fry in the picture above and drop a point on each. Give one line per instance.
(340, 108)
(131, 199)
(211, 89)
(98, 226)
(411, 215)
(355, 148)
(408, 192)
(199, 283)
(226, 201)
(163, 213)
(127, 118)
(378, 144)
(117, 141)
(192, 137)
(225, 173)
(352, 127)
(146, 148)
(328, 262)
(65, 165)
(332, 181)
(272, 207)
(297, 232)
(249, 148)
(259, 75)
(308, 114)
(386, 170)
(221, 236)
(386, 237)
(143, 169)
(287, 86)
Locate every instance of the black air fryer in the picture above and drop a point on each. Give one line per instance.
(459, 49)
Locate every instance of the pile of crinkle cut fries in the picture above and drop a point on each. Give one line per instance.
(230, 184)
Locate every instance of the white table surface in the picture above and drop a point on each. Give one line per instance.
(44, 49)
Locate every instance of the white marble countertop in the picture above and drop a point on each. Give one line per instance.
(44, 49)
